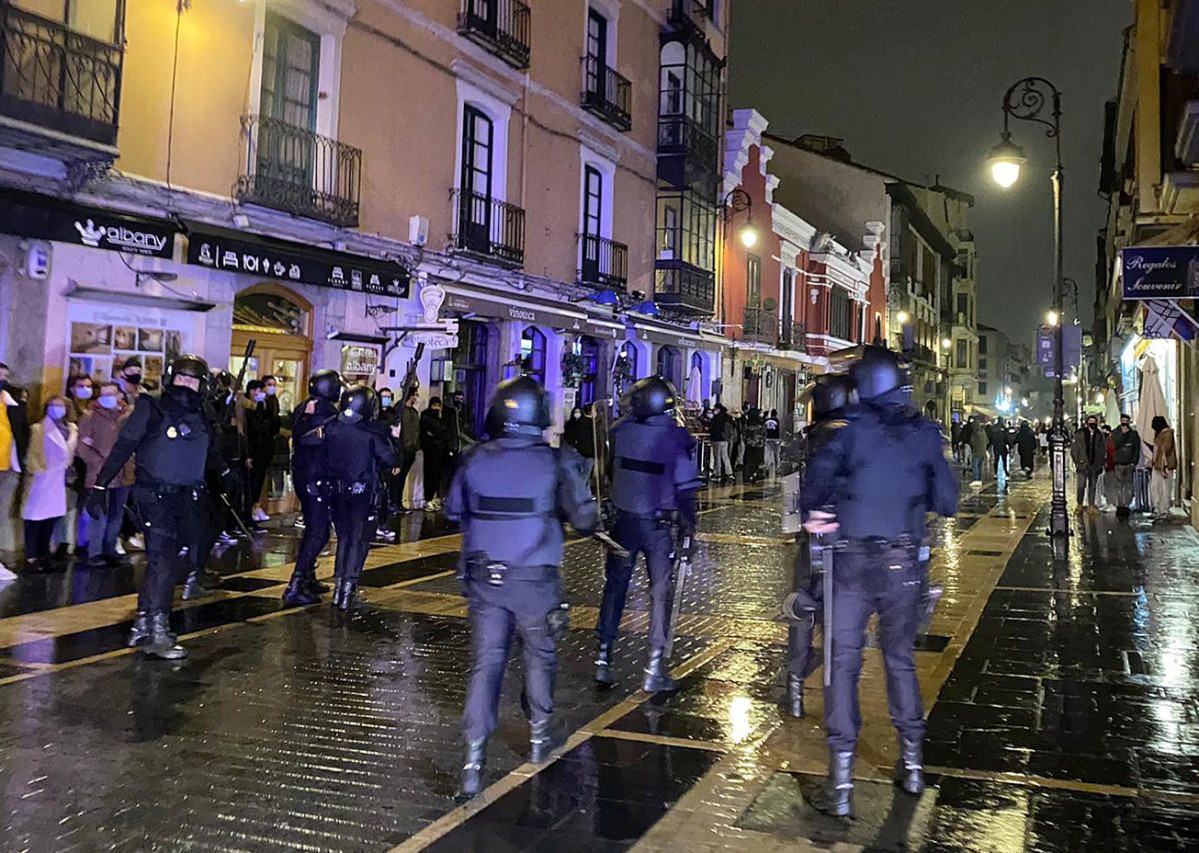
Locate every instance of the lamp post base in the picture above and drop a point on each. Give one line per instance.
(1059, 513)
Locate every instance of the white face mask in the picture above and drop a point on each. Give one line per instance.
(259, 396)
(107, 402)
(270, 390)
(83, 393)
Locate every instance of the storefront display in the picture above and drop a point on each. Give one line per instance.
(102, 337)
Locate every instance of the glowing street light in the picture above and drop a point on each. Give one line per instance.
(749, 235)
(1052, 318)
(1006, 160)
(946, 343)
(903, 317)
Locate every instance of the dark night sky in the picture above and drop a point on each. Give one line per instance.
(915, 87)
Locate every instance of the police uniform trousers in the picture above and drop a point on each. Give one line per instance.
(523, 602)
(638, 535)
(354, 521)
(317, 516)
(170, 518)
(210, 511)
(874, 577)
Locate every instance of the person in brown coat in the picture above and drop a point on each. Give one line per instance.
(1165, 463)
(98, 430)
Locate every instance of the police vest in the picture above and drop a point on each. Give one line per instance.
(647, 465)
(174, 450)
(511, 502)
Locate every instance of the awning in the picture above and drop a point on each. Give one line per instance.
(674, 336)
(267, 257)
(536, 312)
(144, 300)
(46, 218)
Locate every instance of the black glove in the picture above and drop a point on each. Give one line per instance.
(96, 502)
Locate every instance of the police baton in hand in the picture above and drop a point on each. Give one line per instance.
(610, 543)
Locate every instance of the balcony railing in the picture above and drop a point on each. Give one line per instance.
(58, 79)
(490, 228)
(680, 285)
(604, 262)
(759, 325)
(607, 94)
(689, 14)
(793, 336)
(498, 26)
(300, 172)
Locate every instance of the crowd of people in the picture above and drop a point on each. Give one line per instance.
(1116, 469)
(749, 442)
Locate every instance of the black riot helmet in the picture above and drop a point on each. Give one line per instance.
(325, 384)
(652, 396)
(876, 373)
(831, 394)
(187, 365)
(359, 402)
(520, 406)
(222, 380)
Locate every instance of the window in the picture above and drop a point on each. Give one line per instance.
(878, 326)
(687, 228)
(669, 363)
(840, 323)
(982, 389)
(593, 201)
(964, 304)
(753, 281)
(786, 308)
(476, 152)
(963, 354)
(982, 363)
(587, 348)
(532, 353)
(597, 51)
(982, 346)
(100, 19)
(290, 63)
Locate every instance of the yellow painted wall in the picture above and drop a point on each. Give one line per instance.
(212, 87)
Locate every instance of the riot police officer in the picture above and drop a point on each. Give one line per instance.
(654, 480)
(172, 439)
(311, 474)
(511, 496)
(356, 452)
(874, 480)
(830, 397)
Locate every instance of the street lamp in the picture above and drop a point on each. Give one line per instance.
(1035, 99)
(903, 317)
(1052, 317)
(736, 201)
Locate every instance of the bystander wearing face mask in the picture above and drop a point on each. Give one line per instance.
(56, 412)
(107, 402)
(385, 402)
(83, 392)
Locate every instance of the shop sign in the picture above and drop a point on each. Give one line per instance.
(432, 340)
(359, 361)
(517, 312)
(49, 219)
(666, 337)
(231, 252)
(1161, 272)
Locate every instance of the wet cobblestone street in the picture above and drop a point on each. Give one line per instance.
(1063, 706)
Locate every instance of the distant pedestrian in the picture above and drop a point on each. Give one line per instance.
(774, 442)
(579, 433)
(997, 433)
(1165, 463)
(1126, 452)
(1088, 451)
(98, 431)
(979, 441)
(719, 430)
(755, 445)
(433, 444)
(52, 442)
(1026, 444)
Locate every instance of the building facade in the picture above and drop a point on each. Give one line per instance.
(494, 185)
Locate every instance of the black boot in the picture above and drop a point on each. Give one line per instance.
(140, 631)
(840, 784)
(195, 586)
(345, 594)
(909, 770)
(793, 702)
(298, 593)
(314, 586)
(603, 665)
(471, 783)
(162, 643)
(543, 740)
(657, 674)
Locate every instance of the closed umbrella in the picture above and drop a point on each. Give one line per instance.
(695, 391)
(1150, 404)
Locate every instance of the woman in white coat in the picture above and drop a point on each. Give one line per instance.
(52, 443)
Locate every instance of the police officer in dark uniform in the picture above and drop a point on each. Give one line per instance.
(356, 451)
(654, 480)
(172, 439)
(830, 397)
(511, 496)
(311, 475)
(873, 481)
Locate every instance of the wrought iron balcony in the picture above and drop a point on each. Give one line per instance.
(498, 26)
(604, 262)
(688, 15)
(793, 336)
(680, 285)
(489, 228)
(55, 78)
(300, 172)
(759, 325)
(607, 94)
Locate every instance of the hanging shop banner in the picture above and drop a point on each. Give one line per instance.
(1161, 272)
(236, 251)
(1165, 319)
(44, 218)
(1071, 348)
(359, 364)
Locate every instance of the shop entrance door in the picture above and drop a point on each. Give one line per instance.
(277, 321)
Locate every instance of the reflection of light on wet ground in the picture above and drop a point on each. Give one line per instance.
(997, 813)
(740, 724)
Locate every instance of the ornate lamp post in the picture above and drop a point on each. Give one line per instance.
(1035, 99)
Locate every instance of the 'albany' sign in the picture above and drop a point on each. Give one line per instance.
(45, 218)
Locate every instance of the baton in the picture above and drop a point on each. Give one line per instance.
(610, 543)
(826, 561)
(682, 568)
(236, 517)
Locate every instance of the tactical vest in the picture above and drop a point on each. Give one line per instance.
(644, 456)
(511, 504)
(174, 450)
